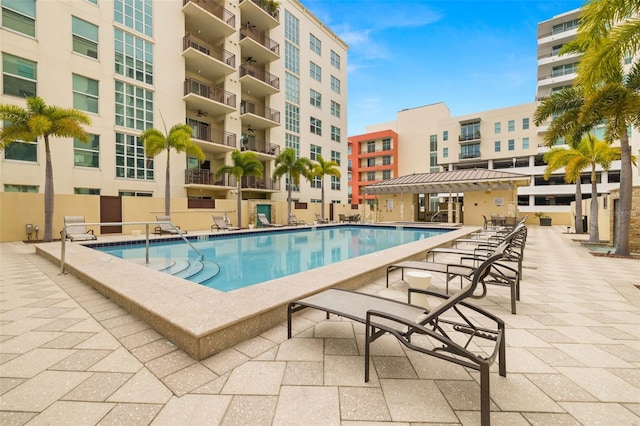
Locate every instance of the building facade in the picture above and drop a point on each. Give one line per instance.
(249, 75)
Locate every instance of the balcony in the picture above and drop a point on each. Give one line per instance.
(208, 60)
(211, 135)
(262, 12)
(258, 116)
(206, 177)
(208, 98)
(260, 147)
(469, 137)
(208, 18)
(252, 182)
(258, 82)
(257, 44)
(468, 155)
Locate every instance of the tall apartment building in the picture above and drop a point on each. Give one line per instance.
(504, 138)
(255, 75)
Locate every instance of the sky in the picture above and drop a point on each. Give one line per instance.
(473, 55)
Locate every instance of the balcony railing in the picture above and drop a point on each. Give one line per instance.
(261, 75)
(469, 137)
(206, 177)
(209, 91)
(259, 37)
(214, 8)
(258, 145)
(201, 45)
(271, 7)
(248, 107)
(468, 155)
(206, 133)
(252, 182)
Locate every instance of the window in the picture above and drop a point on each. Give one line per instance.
(87, 154)
(386, 144)
(371, 176)
(470, 130)
(565, 26)
(315, 72)
(316, 98)
(512, 125)
(386, 174)
(445, 152)
(496, 146)
(291, 58)
(335, 109)
(134, 106)
(135, 194)
(335, 156)
(335, 183)
(135, 14)
(470, 151)
(433, 143)
(386, 160)
(85, 37)
(335, 84)
(21, 188)
(445, 135)
(371, 162)
(19, 76)
(315, 150)
(525, 123)
(564, 69)
(316, 183)
(85, 94)
(433, 160)
(371, 146)
(21, 150)
(315, 44)
(335, 134)
(20, 16)
(512, 144)
(86, 191)
(335, 59)
(525, 143)
(291, 27)
(131, 161)
(497, 128)
(292, 141)
(315, 126)
(291, 117)
(292, 88)
(133, 57)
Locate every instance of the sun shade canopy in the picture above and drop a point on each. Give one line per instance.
(455, 181)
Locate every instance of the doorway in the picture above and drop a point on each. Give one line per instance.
(110, 211)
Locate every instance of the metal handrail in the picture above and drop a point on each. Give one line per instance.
(63, 235)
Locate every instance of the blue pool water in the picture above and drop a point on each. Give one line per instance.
(233, 261)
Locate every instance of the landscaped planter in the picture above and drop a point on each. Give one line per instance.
(545, 221)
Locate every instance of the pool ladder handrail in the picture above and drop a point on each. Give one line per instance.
(63, 236)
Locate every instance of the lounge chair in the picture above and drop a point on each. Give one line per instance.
(342, 218)
(455, 331)
(220, 224)
(452, 270)
(293, 220)
(263, 221)
(77, 230)
(166, 227)
(320, 219)
(354, 218)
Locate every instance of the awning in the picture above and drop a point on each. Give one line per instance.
(455, 181)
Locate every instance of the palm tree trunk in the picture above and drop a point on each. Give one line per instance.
(594, 232)
(322, 198)
(623, 213)
(289, 200)
(48, 193)
(167, 188)
(239, 202)
(578, 221)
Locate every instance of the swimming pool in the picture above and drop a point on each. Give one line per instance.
(233, 261)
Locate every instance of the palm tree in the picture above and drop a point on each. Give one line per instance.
(178, 138)
(618, 102)
(287, 164)
(45, 121)
(320, 169)
(565, 107)
(590, 152)
(244, 164)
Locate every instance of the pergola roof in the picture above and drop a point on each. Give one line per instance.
(455, 181)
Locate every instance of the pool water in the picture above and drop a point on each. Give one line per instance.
(233, 261)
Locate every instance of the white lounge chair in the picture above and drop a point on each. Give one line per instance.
(166, 227)
(77, 230)
(221, 224)
(263, 221)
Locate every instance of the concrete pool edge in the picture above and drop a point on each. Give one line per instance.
(203, 321)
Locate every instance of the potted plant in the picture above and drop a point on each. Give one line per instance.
(544, 219)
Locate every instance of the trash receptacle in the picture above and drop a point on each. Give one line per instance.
(420, 280)
(585, 224)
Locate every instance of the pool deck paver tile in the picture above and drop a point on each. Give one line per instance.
(69, 355)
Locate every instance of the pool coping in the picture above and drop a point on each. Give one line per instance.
(203, 321)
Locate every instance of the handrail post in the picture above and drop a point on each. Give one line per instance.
(63, 235)
(146, 243)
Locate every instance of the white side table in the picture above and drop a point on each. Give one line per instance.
(420, 280)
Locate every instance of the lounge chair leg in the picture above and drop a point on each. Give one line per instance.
(502, 355)
(485, 396)
(513, 298)
(366, 351)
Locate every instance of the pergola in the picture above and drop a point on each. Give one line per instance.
(456, 181)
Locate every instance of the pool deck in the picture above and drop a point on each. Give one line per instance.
(69, 355)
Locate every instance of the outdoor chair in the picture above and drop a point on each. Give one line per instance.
(354, 218)
(455, 331)
(166, 227)
(220, 224)
(293, 220)
(263, 221)
(320, 219)
(77, 230)
(342, 218)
